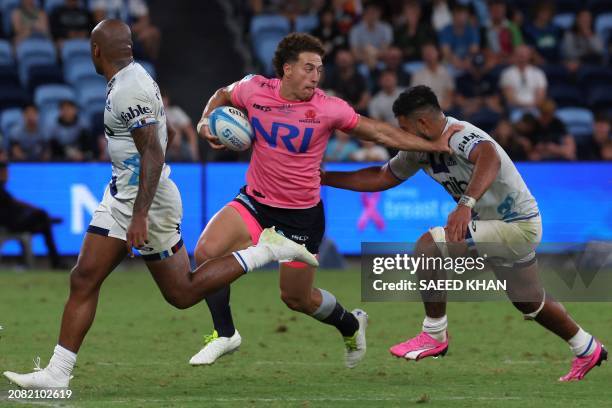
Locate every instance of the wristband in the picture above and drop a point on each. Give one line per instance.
(467, 201)
(202, 122)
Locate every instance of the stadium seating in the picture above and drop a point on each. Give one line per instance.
(591, 75)
(6, 8)
(266, 32)
(81, 72)
(579, 122)
(42, 75)
(556, 74)
(9, 119)
(92, 98)
(12, 97)
(75, 49)
(149, 68)
(306, 23)
(566, 95)
(51, 5)
(8, 76)
(412, 67)
(49, 96)
(603, 25)
(564, 21)
(34, 51)
(6, 53)
(600, 97)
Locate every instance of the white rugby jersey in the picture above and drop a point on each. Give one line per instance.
(132, 101)
(507, 199)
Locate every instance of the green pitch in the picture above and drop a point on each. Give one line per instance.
(137, 351)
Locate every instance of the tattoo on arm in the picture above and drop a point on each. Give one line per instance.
(151, 165)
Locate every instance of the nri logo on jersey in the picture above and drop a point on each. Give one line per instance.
(286, 133)
(134, 113)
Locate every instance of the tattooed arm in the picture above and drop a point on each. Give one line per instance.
(151, 165)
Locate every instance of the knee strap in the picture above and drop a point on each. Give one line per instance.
(439, 236)
(533, 315)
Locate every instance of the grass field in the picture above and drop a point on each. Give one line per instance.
(137, 351)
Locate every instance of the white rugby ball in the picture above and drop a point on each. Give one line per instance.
(232, 127)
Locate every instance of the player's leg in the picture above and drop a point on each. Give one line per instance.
(98, 257)
(297, 292)
(226, 232)
(433, 339)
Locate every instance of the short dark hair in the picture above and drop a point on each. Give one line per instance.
(290, 48)
(414, 99)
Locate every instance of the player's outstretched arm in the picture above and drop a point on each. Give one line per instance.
(390, 136)
(223, 97)
(486, 166)
(151, 165)
(370, 179)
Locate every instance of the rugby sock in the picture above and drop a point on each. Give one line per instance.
(582, 344)
(253, 257)
(219, 306)
(331, 312)
(62, 362)
(436, 327)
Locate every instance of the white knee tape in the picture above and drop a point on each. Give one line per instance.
(533, 315)
(439, 236)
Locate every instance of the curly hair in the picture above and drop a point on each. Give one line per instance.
(290, 47)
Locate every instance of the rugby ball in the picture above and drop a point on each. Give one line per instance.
(232, 127)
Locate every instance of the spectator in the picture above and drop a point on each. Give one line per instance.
(580, 44)
(136, 14)
(69, 137)
(370, 152)
(514, 144)
(329, 33)
(435, 76)
(477, 89)
(371, 36)
(29, 21)
(340, 148)
(440, 14)
(501, 35)
(27, 141)
(346, 13)
(460, 41)
(523, 85)
(347, 83)
(551, 141)
(382, 103)
(543, 35)
(17, 216)
(184, 146)
(600, 145)
(70, 21)
(392, 60)
(413, 33)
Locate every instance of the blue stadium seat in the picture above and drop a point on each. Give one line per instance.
(557, 74)
(76, 48)
(48, 116)
(579, 122)
(6, 8)
(264, 51)
(36, 47)
(9, 118)
(148, 67)
(263, 24)
(48, 96)
(412, 67)
(485, 119)
(51, 5)
(42, 75)
(8, 76)
(566, 95)
(305, 23)
(603, 25)
(79, 71)
(92, 98)
(564, 21)
(6, 53)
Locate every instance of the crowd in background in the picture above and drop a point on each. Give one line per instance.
(500, 64)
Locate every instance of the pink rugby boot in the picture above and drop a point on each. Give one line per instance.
(582, 365)
(420, 347)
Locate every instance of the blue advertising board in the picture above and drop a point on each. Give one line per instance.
(575, 200)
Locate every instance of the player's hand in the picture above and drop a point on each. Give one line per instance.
(457, 223)
(441, 145)
(137, 233)
(213, 141)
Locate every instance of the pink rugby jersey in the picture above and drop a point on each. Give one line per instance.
(290, 140)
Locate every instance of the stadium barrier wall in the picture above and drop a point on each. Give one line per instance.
(575, 200)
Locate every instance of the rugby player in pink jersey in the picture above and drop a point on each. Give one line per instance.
(292, 121)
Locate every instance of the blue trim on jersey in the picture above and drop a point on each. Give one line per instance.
(139, 125)
(527, 217)
(587, 349)
(164, 254)
(220, 113)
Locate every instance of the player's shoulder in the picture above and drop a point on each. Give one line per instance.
(467, 137)
(323, 98)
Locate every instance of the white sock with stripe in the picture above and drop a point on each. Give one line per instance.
(582, 344)
(253, 257)
(436, 327)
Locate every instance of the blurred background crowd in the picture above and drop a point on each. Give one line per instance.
(536, 75)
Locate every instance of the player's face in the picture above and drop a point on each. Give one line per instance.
(414, 126)
(303, 76)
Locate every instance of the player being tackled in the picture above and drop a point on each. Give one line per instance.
(495, 214)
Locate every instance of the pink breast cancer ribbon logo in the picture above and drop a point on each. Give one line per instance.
(370, 212)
